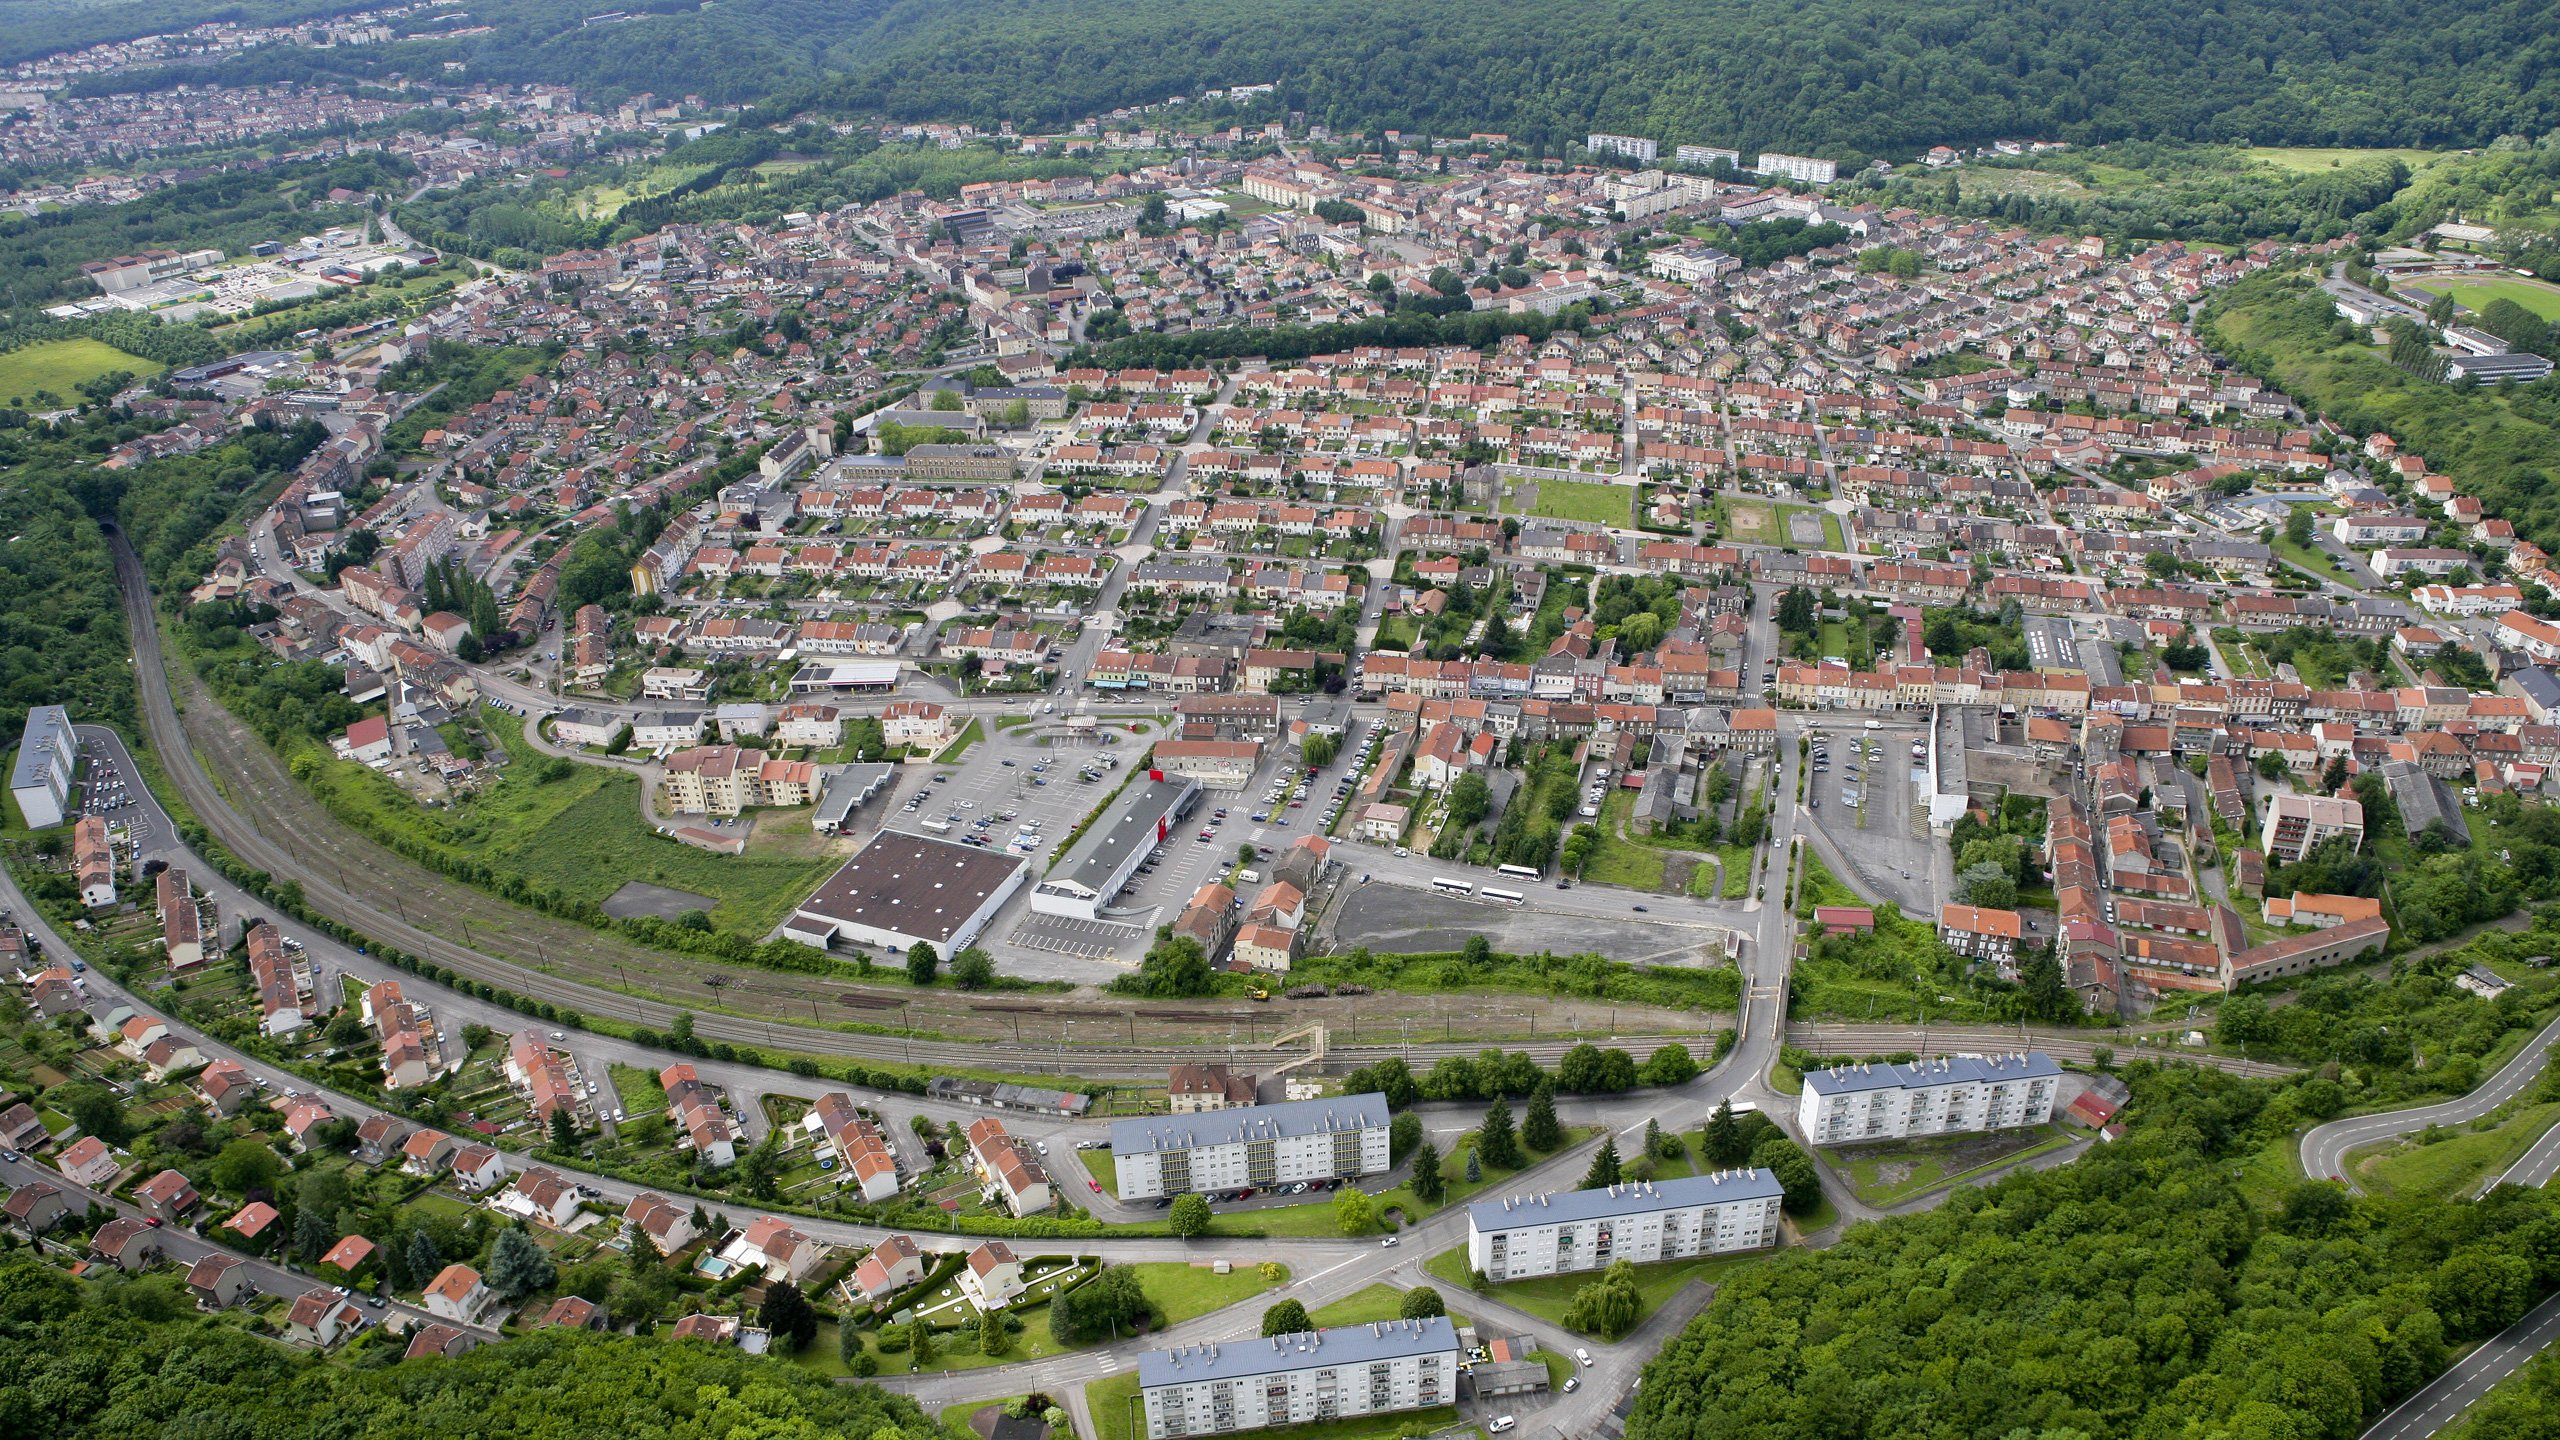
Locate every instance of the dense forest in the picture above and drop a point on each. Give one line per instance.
(2137, 1292)
(1851, 78)
(133, 1359)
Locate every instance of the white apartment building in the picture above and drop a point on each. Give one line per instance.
(1705, 155)
(1259, 1147)
(1634, 147)
(2296, 823)
(40, 778)
(1519, 1236)
(1798, 167)
(1323, 1375)
(1858, 1103)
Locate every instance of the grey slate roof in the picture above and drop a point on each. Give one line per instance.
(1512, 1212)
(1144, 1134)
(1347, 1345)
(1944, 1070)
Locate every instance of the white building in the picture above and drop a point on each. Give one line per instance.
(40, 779)
(1299, 1379)
(1798, 167)
(1634, 147)
(1519, 1236)
(1858, 1103)
(1703, 156)
(1093, 871)
(1260, 1147)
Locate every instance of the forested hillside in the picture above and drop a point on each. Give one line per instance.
(1838, 75)
(1846, 77)
(2136, 1292)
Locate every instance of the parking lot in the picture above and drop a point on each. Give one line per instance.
(1022, 788)
(1862, 796)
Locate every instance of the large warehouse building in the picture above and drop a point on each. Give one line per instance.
(1259, 1146)
(1519, 1236)
(903, 888)
(1097, 868)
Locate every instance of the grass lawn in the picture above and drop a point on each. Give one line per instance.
(1889, 1175)
(1112, 1403)
(1615, 861)
(2456, 1164)
(1315, 1217)
(1599, 504)
(1547, 1296)
(637, 1090)
(1396, 632)
(61, 366)
(1785, 1079)
(954, 1419)
(971, 736)
(1377, 1302)
(1104, 1169)
(1187, 1292)
(2313, 559)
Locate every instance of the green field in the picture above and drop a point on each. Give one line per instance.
(2303, 158)
(1597, 503)
(580, 834)
(2457, 1162)
(1887, 1176)
(60, 367)
(2534, 295)
(1616, 861)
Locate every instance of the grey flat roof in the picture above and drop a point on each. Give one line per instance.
(1511, 1212)
(1252, 1122)
(48, 733)
(912, 885)
(1346, 1345)
(1945, 1070)
(1124, 829)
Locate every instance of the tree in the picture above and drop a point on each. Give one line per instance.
(1609, 1306)
(789, 1316)
(1796, 610)
(1174, 968)
(992, 1338)
(314, 1231)
(1190, 1216)
(1669, 1065)
(1604, 1166)
(1354, 1213)
(1538, 1128)
(1495, 1139)
(1475, 1165)
(851, 1350)
(923, 1348)
(973, 969)
(518, 1266)
(2048, 991)
(1795, 1171)
(1403, 1133)
(425, 1261)
(1470, 800)
(564, 1131)
(1286, 1318)
(91, 1108)
(1421, 1303)
(1427, 1184)
(246, 1165)
(922, 961)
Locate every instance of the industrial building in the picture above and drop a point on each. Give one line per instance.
(1319, 1375)
(1097, 867)
(1519, 1236)
(903, 888)
(1857, 1103)
(1258, 1146)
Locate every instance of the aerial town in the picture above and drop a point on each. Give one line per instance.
(1195, 771)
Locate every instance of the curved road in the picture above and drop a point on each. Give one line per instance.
(2325, 1147)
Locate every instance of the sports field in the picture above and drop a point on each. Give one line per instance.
(2541, 298)
(61, 366)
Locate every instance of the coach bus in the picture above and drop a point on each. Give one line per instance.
(1507, 897)
(1454, 887)
(1520, 872)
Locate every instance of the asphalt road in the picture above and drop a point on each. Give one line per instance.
(2455, 1391)
(2325, 1147)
